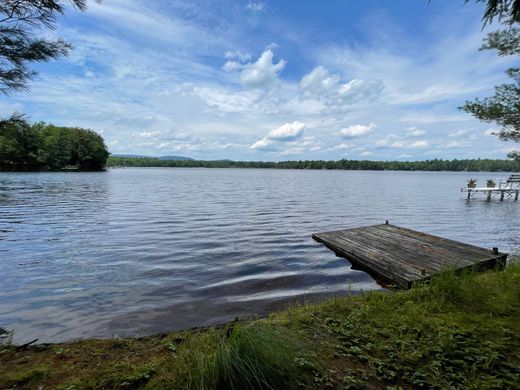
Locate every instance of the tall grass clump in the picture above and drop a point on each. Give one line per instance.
(254, 356)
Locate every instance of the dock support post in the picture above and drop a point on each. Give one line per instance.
(386, 222)
(488, 196)
(469, 194)
(495, 251)
(502, 195)
(516, 194)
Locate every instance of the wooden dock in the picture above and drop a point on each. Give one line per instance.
(402, 256)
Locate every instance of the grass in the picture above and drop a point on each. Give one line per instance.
(456, 332)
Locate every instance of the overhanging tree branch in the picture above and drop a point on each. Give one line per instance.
(18, 45)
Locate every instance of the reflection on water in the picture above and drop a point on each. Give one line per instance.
(136, 251)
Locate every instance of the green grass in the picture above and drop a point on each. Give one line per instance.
(456, 332)
(256, 355)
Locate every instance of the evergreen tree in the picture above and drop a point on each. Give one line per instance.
(20, 20)
(503, 107)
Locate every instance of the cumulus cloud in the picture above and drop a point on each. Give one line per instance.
(356, 131)
(260, 73)
(286, 132)
(168, 58)
(264, 144)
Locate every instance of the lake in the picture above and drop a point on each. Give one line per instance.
(136, 251)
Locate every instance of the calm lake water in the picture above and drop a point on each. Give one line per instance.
(138, 251)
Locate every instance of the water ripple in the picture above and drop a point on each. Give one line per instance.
(136, 251)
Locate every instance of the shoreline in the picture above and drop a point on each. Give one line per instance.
(436, 165)
(456, 331)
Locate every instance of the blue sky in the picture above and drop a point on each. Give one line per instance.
(273, 80)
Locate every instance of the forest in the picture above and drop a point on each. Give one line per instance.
(487, 165)
(42, 146)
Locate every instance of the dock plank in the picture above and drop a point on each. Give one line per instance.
(403, 256)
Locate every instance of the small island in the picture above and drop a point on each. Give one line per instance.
(45, 147)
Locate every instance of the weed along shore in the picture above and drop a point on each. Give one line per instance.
(455, 332)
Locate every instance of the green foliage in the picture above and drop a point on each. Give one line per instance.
(428, 165)
(43, 146)
(254, 356)
(20, 143)
(19, 46)
(506, 11)
(505, 42)
(503, 107)
(455, 332)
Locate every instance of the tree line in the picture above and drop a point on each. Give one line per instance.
(487, 165)
(42, 146)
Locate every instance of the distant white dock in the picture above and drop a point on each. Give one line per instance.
(506, 189)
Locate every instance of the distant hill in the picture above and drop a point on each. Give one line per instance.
(176, 158)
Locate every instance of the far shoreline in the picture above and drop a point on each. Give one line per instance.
(435, 165)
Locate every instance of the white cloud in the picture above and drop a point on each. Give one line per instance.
(262, 72)
(414, 132)
(431, 116)
(491, 132)
(320, 82)
(343, 146)
(230, 66)
(256, 6)
(361, 89)
(420, 144)
(237, 54)
(264, 144)
(458, 133)
(227, 101)
(319, 79)
(145, 74)
(355, 131)
(292, 150)
(413, 76)
(287, 132)
(397, 144)
(366, 153)
(456, 144)
(304, 106)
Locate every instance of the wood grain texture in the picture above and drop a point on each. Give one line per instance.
(402, 256)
